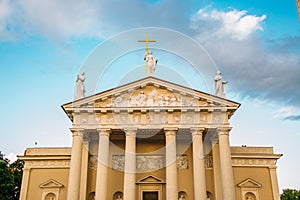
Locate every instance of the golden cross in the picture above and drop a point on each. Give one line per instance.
(147, 45)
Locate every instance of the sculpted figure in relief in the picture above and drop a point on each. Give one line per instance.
(151, 61)
(80, 88)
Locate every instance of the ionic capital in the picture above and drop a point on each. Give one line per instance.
(197, 131)
(223, 131)
(104, 132)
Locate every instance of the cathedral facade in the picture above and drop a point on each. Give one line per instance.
(150, 140)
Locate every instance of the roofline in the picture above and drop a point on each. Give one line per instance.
(149, 77)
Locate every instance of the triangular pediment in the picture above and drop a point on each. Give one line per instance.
(51, 184)
(249, 183)
(150, 93)
(150, 179)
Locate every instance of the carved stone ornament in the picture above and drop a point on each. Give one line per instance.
(182, 162)
(93, 162)
(118, 162)
(143, 162)
(209, 161)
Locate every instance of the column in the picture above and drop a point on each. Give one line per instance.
(171, 164)
(75, 165)
(130, 164)
(274, 183)
(198, 165)
(102, 167)
(25, 182)
(226, 164)
(84, 168)
(217, 169)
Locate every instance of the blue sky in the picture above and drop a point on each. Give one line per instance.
(256, 44)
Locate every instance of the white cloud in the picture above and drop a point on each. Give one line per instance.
(285, 112)
(57, 18)
(12, 157)
(236, 24)
(5, 14)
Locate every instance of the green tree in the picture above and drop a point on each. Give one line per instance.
(16, 169)
(290, 194)
(6, 181)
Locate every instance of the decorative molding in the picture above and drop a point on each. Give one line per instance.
(249, 183)
(48, 164)
(253, 162)
(51, 184)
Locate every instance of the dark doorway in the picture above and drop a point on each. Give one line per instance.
(150, 195)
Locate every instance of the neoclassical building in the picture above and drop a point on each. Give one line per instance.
(150, 140)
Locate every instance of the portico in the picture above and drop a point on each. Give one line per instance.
(117, 123)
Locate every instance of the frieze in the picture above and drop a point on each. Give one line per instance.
(253, 162)
(49, 164)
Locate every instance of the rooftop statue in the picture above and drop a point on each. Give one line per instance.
(220, 85)
(80, 88)
(150, 62)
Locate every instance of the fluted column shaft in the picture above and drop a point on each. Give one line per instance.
(102, 168)
(171, 164)
(130, 164)
(75, 166)
(198, 165)
(226, 164)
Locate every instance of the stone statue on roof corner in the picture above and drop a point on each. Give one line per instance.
(80, 88)
(220, 85)
(151, 62)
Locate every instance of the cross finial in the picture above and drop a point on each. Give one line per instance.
(147, 46)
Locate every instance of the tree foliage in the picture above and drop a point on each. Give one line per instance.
(290, 194)
(10, 179)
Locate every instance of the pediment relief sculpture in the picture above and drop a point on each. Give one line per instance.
(151, 96)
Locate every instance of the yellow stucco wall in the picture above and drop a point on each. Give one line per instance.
(39, 176)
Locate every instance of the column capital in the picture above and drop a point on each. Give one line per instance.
(77, 131)
(104, 131)
(197, 131)
(170, 131)
(223, 130)
(130, 131)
